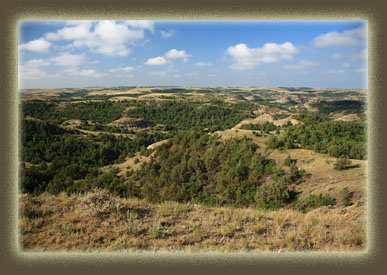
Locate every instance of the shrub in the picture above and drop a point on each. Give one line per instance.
(342, 163)
(346, 197)
(272, 197)
(314, 201)
(288, 161)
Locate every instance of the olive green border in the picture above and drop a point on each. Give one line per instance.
(16, 260)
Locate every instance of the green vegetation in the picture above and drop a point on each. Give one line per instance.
(335, 138)
(342, 163)
(346, 197)
(264, 127)
(280, 116)
(197, 167)
(346, 106)
(102, 111)
(314, 201)
(64, 157)
(184, 115)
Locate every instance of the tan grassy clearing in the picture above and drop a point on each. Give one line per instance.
(98, 221)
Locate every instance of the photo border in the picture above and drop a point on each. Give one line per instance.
(15, 260)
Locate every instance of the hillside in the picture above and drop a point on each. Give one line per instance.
(188, 168)
(100, 222)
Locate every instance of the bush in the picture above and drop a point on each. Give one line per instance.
(314, 201)
(346, 197)
(342, 163)
(272, 197)
(289, 161)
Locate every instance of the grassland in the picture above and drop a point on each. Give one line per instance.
(97, 220)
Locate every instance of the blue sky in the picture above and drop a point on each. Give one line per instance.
(66, 54)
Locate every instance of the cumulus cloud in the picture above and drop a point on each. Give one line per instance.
(108, 37)
(68, 59)
(31, 73)
(159, 60)
(347, 38)
(301, 65)
(167, 34)
(346, 65)
(31, 69)
(246, 58)
(203, 64)
(84, 72)
(38, 45)
(173, 54)
(124, 69)
(141, 24)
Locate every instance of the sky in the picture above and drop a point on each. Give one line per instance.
(84, 53)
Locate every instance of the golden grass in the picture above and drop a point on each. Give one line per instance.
(100, 222)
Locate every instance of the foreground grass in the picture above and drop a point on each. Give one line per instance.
(99, 221)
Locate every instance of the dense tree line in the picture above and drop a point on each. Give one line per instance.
(67, 157)
(196, 167)
(346, 106)
(99, 111)
(336, 138)
(184, 115)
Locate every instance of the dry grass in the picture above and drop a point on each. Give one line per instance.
(99, 221)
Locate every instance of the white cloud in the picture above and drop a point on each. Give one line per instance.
(90, 73)
(167, 34)
(347, 38)
(346, 65)
(124, 69)
(158, 73)
(141, 24)
(68, 59)
(176, 76)
(26, 72)
(77, 30)
(159, 60)
(173, 54)
(108, 37)
(38, 45)
(301, 65)
(213, 76)
(31, 70)
(127, 69)
(84, 72)
(203, 64)
(362, 55)
(362, 70)
(37, 63)
(247, 58)
(334, 72)
(337, 56)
